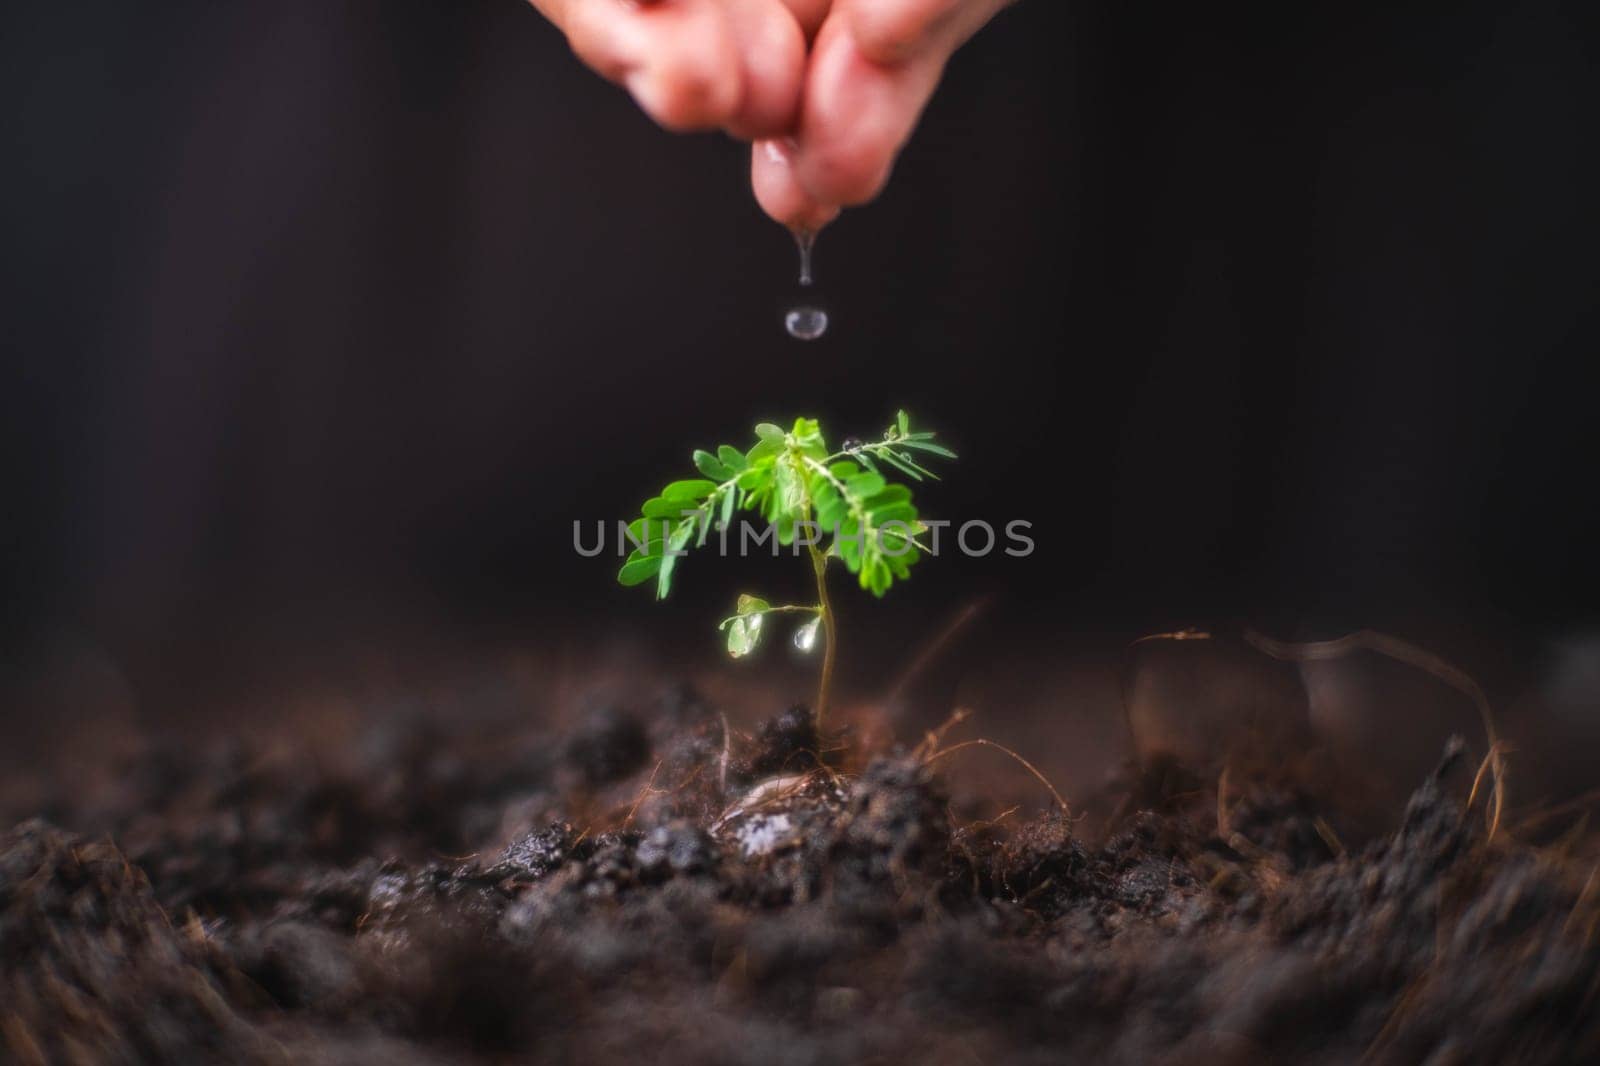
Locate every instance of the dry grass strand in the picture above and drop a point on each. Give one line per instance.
(1403, 651)
(1032, 769)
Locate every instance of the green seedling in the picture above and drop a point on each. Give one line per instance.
(831, 504)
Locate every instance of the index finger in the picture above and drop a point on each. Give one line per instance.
(678, 58)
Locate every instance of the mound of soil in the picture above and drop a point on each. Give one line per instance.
(656, 888)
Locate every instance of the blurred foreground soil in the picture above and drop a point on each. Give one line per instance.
(650, 883)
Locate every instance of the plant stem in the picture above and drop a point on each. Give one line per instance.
(819, 566)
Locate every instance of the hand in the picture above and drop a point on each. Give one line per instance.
(872, 68)
(829, 90)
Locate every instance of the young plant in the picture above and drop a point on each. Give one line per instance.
(836, 505)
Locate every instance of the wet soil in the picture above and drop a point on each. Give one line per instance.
(651, 885)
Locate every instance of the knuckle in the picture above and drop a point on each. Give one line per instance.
(687, 96)
(892, 32)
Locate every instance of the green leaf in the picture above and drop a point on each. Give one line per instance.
(900, 564)
(732, 458)
(864, 485)
(830, 506)
(637, 570)
(913, 464)
(730, 497)
(712, 467)
(763, 449)
(845, 470)
(893, 512)
(695, 490)
(669, 561)
(903, 422)
(756, 484)
(849, 543)
(788, 503)
(928, 446)
(832, 514)
(909, 471)
(755, 479)
(743, 635)
(807, 438)
(791, 489)
(875, 577)
(887, 496)
(894, 542)
(661, 507)
(769, 432)
(647, 536)
(703, 524)
(744, 629)
(749, 604)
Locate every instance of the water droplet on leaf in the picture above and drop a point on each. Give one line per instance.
(744, 632)
(805, 638)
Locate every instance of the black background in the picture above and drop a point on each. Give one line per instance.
(325, 319)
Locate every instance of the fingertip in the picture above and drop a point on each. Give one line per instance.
(683, 97)
(779, 192)
(844, 172)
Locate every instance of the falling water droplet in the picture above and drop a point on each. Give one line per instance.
(806, 240)
(806, 323)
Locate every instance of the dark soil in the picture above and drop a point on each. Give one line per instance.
(657, 888)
